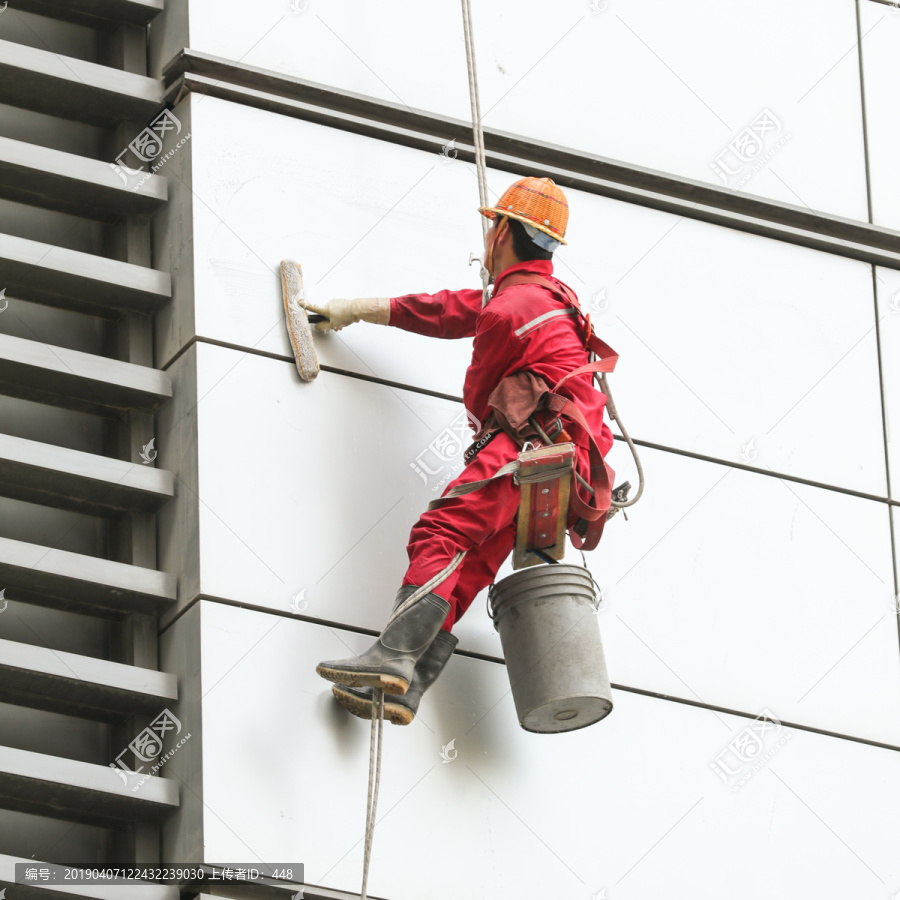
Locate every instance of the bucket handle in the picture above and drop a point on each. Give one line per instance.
(598, 591)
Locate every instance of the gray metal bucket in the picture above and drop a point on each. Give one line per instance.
(551, 641)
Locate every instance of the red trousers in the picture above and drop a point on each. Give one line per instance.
(482, 523)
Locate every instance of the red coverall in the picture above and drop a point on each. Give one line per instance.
(483, 522)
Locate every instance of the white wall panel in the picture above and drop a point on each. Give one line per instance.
(659, 85)
(743, 590)
(735, 346)
(888, 289)
(363, 218)
(630, 806)
(338, 452)
(880, 47)
(726, 338)
(726, 586)
(895, 513)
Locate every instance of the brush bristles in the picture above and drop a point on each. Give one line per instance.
(297, 322)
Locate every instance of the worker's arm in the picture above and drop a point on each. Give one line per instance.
(446, 314)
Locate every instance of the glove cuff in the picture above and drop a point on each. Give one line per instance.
(376, 310)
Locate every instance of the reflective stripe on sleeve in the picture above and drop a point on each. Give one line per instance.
(546, 317)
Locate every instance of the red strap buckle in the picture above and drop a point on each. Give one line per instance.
(588, 331)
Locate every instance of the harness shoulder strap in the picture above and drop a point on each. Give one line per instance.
(556, 287)
(607, 356)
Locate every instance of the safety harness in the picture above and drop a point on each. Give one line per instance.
(543, 513)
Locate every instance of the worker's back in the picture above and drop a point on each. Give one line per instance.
(518, 331)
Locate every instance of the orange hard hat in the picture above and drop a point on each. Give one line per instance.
(539, 204)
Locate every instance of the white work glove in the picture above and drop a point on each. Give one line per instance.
(340, 313)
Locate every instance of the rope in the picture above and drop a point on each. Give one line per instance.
(475, 103)
(374, 770)
(478, 137)
(378, 721)
(614, 415)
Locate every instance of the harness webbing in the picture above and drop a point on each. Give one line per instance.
(592, 515)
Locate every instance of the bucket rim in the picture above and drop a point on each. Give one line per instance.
(546, 567)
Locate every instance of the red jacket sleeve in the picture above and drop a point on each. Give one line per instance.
(446, 314)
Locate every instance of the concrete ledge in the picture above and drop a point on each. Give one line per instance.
(103, 14)
(70, 279)
(36, 371)
(73, 184)
(82, 686)
(74, 89)
(360, 114)
(85, 482)
(82, 792)
(73, 581)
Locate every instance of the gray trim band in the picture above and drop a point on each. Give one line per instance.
(317, 103)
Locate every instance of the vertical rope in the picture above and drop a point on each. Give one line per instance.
(475, 104)
(375, 740)
(478, 136)
(374, 770)
(378, 723)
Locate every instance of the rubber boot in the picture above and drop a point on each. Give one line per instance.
(391, 661)
(401, 709)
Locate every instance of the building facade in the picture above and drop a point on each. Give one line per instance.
(186, 528)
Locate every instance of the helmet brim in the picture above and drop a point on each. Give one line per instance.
(491, 212)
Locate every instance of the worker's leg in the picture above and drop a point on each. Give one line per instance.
(478, 523)
(478, 570)
(471, 523)
(462, 523)
(482, 523)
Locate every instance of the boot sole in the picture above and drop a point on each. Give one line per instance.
(390, 684)
(393, 712)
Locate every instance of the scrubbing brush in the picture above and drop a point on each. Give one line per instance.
(297, 320)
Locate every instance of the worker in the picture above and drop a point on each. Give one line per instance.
(528, 337)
